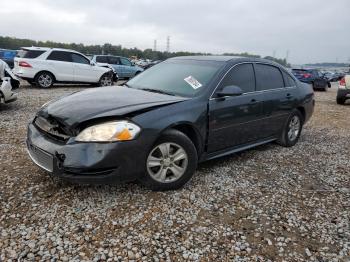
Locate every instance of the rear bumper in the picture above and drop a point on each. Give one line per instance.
(88, 163)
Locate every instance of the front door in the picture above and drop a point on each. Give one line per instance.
(235, 121)
(115, 62)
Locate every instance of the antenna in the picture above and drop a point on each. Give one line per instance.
(168, 44)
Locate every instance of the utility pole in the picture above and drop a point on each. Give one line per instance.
(168, 44)
(274, 54)
(287, 56)
(155, 45)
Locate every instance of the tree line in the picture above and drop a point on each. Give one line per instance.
(16, 43)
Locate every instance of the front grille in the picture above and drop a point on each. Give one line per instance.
(52, 128)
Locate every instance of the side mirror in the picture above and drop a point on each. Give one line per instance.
(230, 91)
(92, 63)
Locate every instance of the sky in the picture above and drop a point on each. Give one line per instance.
(310, 31)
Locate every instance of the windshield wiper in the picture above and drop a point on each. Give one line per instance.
(158, 91)
(125, 84)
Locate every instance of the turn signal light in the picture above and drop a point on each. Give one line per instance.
(342, 82)
(124, 135)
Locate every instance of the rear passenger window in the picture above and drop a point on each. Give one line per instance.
(288, 80)
(268, 77)
(114, 60)
(241, 76)
(60, 56)
(101, 59)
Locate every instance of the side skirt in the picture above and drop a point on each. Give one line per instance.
(237, 149)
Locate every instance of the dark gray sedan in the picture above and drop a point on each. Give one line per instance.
(158, 126)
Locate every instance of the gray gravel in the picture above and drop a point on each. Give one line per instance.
(266, 204)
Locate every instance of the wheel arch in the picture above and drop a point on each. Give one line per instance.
(302, 112)
(191, 132)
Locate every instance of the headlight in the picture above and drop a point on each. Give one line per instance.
(109, 132)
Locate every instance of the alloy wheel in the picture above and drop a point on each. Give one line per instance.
(294, 128)
(45, 80)
(106, 81)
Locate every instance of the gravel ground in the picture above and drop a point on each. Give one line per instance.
(266, 204)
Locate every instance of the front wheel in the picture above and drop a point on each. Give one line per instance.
(106, 80)
(170, 163)
(292, 130)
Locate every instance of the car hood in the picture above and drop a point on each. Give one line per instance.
(102, 102)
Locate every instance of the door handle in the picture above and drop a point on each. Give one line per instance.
(254, 101)
(289, 96)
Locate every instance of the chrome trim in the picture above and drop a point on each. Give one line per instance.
(259, 91)
(36, 162)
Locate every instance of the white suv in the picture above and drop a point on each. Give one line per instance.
(46, 66)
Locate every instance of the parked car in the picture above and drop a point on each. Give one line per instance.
(152, 64)
(46, 66)
(7, 83)
(164, 121)
(343, 93)
(8, 56)
(313, 77)
(124, 67)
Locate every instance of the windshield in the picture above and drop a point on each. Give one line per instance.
(178, 77)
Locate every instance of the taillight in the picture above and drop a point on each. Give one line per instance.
(24, 64)
(306, 75)
(342, 82)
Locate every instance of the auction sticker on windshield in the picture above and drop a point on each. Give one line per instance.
(193, 82)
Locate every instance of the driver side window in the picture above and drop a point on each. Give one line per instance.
(125, 61)
(241, 76)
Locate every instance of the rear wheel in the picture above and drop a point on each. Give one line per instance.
(170, 163)
(292, 129)
(44, 80)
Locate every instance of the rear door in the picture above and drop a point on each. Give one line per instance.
(61, 66)
(83, 70)
(235, 121)
(280, 94)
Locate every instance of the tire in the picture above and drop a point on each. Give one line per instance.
(292, 129)
(329, 84)
(106, 80)
(340, 101)
(162, 171)
(44, 80)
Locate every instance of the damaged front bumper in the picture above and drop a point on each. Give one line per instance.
(6, 93)
(88, 163)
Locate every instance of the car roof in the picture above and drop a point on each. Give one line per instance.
(227, 59)
(217, 58)
(33, 48)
